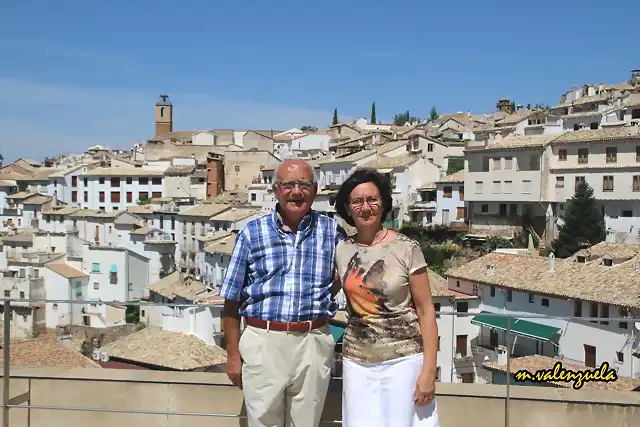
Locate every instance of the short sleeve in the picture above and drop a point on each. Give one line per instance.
(236, 276)
(340, 234)
(416, 258)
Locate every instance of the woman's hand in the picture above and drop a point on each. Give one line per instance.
(425, 387)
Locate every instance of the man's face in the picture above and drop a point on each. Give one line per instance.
(295, 190)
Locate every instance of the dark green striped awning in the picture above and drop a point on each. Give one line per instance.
(520, 327)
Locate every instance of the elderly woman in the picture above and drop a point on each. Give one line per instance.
(391, 339)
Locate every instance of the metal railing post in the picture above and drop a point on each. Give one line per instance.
(453, 343)
(6, 363)
(506, 400)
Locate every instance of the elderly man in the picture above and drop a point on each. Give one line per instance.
(280, 280)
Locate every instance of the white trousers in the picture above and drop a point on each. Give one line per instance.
(381, 394)
(285, 376)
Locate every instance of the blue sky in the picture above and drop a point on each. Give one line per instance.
(76, 73)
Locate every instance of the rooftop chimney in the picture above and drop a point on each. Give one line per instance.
(551, 262)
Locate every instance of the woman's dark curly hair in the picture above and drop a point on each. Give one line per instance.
(360, 176)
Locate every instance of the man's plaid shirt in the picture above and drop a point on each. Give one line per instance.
(282, 276)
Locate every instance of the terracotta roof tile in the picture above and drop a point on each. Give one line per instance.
(65, 270)
(47, 352)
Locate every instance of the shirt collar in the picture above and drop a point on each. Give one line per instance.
(305, 223)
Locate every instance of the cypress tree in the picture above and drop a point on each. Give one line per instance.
(373, 113)
(335, 116)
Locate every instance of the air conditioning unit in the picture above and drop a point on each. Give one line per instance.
(96, 355)
(104, 357)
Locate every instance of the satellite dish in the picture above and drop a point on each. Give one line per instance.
(637, 325)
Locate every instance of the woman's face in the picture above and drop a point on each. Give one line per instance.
(365, 205)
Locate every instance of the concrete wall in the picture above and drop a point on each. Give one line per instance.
(210, 393)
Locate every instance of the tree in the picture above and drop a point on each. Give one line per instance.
(404, 118)
(335, 117)
(433, 115)
(513, 106)
(583, 223)
(373, 113)
(308, 128)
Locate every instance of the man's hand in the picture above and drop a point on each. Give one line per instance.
(234, 369)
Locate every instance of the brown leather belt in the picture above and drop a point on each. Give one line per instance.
(307, 326)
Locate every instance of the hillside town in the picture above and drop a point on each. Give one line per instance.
(131, 246)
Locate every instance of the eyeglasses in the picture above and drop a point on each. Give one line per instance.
(303, 185)
(372, 201)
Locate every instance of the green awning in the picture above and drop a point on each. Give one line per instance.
(520, 327)
(337, 332)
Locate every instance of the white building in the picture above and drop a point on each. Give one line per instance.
(516, 284)
(64, 282)
(450, 203)
(217, 255)
(203, 321)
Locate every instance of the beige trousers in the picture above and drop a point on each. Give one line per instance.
(285, 376)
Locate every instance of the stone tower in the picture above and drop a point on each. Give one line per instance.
(164, 116)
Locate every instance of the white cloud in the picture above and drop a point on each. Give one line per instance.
(38, 120)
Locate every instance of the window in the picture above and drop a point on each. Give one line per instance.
(503, 209)
(594, 125)
(74, 196)
(461, 192)
(78, 288)
(156, 195)
(115, 182)
(534, 162)
(496, 163)
(577, 308)
(461, 213)
(506, 187)
(492, 291)
(612, 154)
(101, 197)
(430, 148)
(436, 307)
(479, 185)
(509, 295)
(96, 285)
(143, 197)
(545, 302)
(7, 294)
(496, 187)
(636, 182)
(562, 155)
(462, 307)
(143, 181)
(605, 314)
(253, 197)
(579, 180)
(446, 192)
(74, 181)
(513, 209)
(559, 181)
(530, 298)
(594, 311)
(86, 181)
(22, 294)
(526, 187)
(485, 164)
(583, 155)
(129, 180)
(115, 197)
(438, 374)
(438, 343)
(237, 168)
(95, 267)
(86, 196)
(607, 183)
(637, 153)
(129, 197)
(156, 181)
(508, 163)
(624, 312)
(619, 356)
(484, 208)
(101, 180)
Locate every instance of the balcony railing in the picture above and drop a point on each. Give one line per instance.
(50, 396)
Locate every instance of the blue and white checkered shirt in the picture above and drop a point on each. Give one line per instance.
(282, 276)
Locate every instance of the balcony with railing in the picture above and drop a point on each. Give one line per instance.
(53, 396)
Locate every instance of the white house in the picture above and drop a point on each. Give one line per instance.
(450, 201)
(532, 285)
(64, 282)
